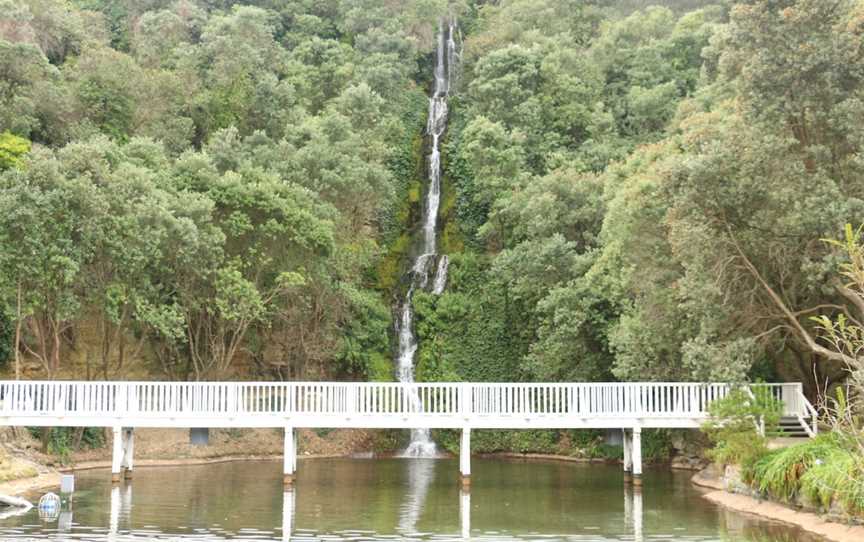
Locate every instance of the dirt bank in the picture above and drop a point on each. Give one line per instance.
(544, 457)
(805, 520)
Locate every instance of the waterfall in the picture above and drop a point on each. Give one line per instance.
(441, 275)
(421, 274)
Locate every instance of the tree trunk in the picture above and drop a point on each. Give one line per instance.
(46, 438)
(18, 317)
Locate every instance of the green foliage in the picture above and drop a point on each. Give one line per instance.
(734, 425)
(7, 338)
(63, 441)
(12, 148)
(232, 175)
(580, 443)
(822, 470)
(836, 476)
(467, 333)
(631, 192)
(657, 445)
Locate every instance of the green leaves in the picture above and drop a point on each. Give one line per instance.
(12, 148)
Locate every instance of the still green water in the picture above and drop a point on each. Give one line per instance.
(392, 499)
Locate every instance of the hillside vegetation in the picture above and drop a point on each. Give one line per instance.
(202, 189)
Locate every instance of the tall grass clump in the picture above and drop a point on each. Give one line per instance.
(823, 471)
(779, 472)
(838, 477)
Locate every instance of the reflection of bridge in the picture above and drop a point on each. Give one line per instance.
(124, 406)
(419, 474)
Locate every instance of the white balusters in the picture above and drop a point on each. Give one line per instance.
(326, 404)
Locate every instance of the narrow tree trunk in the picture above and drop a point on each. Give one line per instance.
(46, 439)
(18, 317)
(76, 438)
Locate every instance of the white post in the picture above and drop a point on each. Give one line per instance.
(116, 453)
(289, 458)
(628, 455)
(465, 457)
(296, 449)
(128, 451)
(637, 456)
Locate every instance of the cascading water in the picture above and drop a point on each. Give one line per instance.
(428, 261)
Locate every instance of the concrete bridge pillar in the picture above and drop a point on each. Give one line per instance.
(122, 450)
(465, 458)
(116, 453)
(128, 451)
(289, 457)
(637, 456)
(628, 455)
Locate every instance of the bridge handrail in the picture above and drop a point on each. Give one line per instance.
(147, 398)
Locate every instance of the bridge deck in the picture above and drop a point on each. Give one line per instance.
(124, 406)
(368, 405)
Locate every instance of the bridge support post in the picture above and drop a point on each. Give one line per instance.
(637, 456)
(116, 453)
(128, 451)
(628, 455)
(289, 458)
(465, 458)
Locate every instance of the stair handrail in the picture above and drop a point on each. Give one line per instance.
(810, 412)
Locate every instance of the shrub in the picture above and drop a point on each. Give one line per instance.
(733, 423)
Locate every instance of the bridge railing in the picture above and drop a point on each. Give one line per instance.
(362, 398)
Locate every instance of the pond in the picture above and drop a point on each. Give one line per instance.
(393, 499)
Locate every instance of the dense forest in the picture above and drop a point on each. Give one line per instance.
(633, 190)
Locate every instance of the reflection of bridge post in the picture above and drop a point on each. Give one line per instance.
(465, 457)
(287, 513)
(465, 513)
(64, 521)
(115, 511)
(121, 502)
(633, 512)
(289, 457)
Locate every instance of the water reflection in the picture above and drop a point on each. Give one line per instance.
(120, 504)
(420, 472)
(287, 513)
(64, 521)
(633, 511)
(392, 500)
(465, 513)
(13, 511)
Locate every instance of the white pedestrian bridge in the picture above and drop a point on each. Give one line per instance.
(124, 406)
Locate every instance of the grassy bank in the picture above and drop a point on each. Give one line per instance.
(826, 473)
